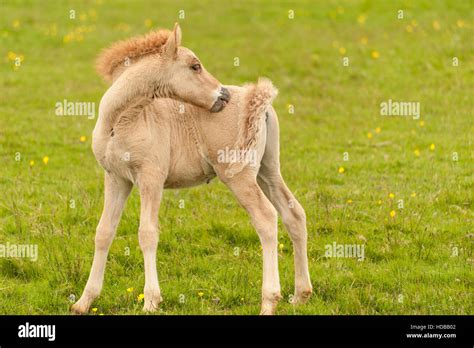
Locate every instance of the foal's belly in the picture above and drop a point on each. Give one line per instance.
(188, 182)
(186, 174)
(187, 166)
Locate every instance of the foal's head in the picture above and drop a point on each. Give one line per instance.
(157, 63)
(187, 78)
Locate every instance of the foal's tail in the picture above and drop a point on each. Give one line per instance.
(257, 101)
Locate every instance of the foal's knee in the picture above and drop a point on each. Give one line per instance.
(298, 214)
(295, 221)
(103, 238)
(148, 238)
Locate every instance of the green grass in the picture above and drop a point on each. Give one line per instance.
(410, 266)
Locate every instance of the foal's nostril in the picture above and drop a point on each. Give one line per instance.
(222, 100)
(225, 95)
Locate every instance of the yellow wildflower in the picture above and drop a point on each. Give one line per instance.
(11, 55)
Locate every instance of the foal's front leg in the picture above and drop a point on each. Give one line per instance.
(151, 190)
(116, 191)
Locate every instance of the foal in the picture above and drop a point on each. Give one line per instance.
(172, 144)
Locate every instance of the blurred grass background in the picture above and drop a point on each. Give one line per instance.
(418, 259)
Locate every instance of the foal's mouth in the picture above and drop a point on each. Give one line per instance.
(221, 101)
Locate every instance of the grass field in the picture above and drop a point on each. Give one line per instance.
(418, 258)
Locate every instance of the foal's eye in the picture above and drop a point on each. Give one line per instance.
(196, 67)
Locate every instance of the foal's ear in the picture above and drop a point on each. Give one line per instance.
(177, 34)
(174, 41)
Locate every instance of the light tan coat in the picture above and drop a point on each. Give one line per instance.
(158, 143)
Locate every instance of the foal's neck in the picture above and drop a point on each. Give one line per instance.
(134, 82)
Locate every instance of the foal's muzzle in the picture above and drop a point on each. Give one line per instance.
(221, 101)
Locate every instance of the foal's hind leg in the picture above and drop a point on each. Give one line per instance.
(294, 218)
(264, 219)
(291, 211)
(116, 192)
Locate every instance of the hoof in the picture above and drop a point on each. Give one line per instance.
(268, 311)
(79, 309)
(301, 297)
(152, 305)
(269, 304)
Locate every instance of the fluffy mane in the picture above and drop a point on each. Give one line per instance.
(114, 56)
